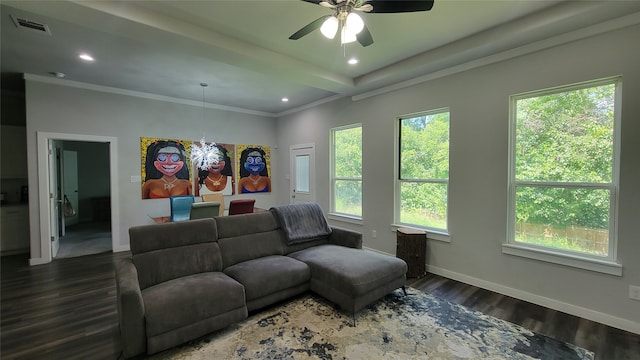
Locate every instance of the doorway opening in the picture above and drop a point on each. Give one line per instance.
(82, 176)
(76, 195)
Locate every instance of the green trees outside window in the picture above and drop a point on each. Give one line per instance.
(563, 183)
(346, 176)
(424, 169)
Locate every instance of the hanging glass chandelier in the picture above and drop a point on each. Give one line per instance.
(206, 154)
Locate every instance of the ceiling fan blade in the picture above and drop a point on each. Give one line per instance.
(364, 37)
(326, 3)
(391, 6)
(364, 8)
(316, 24)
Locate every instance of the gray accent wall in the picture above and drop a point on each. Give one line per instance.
(479, 103)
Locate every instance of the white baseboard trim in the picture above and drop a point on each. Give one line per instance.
(589, 314)
(38, 261)
(121, 248)
(378, 251)
(602, 318)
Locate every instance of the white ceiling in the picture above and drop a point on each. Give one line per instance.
(241, 47)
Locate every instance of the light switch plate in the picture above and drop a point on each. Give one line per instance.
(136, 178)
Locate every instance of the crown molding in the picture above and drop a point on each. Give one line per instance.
(139, 94)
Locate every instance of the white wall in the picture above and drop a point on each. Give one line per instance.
(55, 108)
(478, 101)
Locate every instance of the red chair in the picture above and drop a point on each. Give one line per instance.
(241, 206)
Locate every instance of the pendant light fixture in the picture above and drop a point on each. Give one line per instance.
(205, 155)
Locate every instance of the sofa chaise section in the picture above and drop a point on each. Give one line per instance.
(341, 271)
(352, 278)
(172, 289)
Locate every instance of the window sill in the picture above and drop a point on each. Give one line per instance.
(345, 218)
(577, 261)
(431, 233)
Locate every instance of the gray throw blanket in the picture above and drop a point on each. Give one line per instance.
(302, 222)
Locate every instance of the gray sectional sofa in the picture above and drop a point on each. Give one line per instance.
(190, 278)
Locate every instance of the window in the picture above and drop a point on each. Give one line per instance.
(563, 176)
(302, 173)
(423, 173)
(346, 170)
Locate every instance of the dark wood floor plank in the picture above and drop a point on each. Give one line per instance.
(67, 310)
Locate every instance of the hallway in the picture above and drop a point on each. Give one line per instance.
(85, 239)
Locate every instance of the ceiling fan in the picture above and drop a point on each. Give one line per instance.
(349, 23)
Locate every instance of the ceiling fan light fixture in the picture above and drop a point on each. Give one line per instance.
(347, 36)
(330, 27)
(354, 23)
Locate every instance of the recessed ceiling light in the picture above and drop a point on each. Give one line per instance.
(352, 61)
(284, 99)
(86, 57)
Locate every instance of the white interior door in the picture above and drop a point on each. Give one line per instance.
(70, 183)
(303, 179)
(55, 201)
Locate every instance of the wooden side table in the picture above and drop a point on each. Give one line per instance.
(412, 248)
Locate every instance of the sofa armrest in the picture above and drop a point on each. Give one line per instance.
(345, 237)
(130, 309)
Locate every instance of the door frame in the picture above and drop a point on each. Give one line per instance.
(312, 177)
(42, 139)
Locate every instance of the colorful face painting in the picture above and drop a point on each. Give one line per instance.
(165, 168)
(254, 166)
(219, 176)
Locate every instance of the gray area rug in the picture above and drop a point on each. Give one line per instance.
(417, 326)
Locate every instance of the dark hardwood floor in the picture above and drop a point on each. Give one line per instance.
(67, 310)
(607, 342)
(62, 310)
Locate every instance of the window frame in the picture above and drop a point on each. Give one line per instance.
(333, 213)
(441, 234)
(605, 264)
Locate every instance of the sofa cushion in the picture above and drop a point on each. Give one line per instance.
(147, 238)
(353, 272)
(247, 237)
(268, 275)
(177, 303)
(244, 224)
(163, 252)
